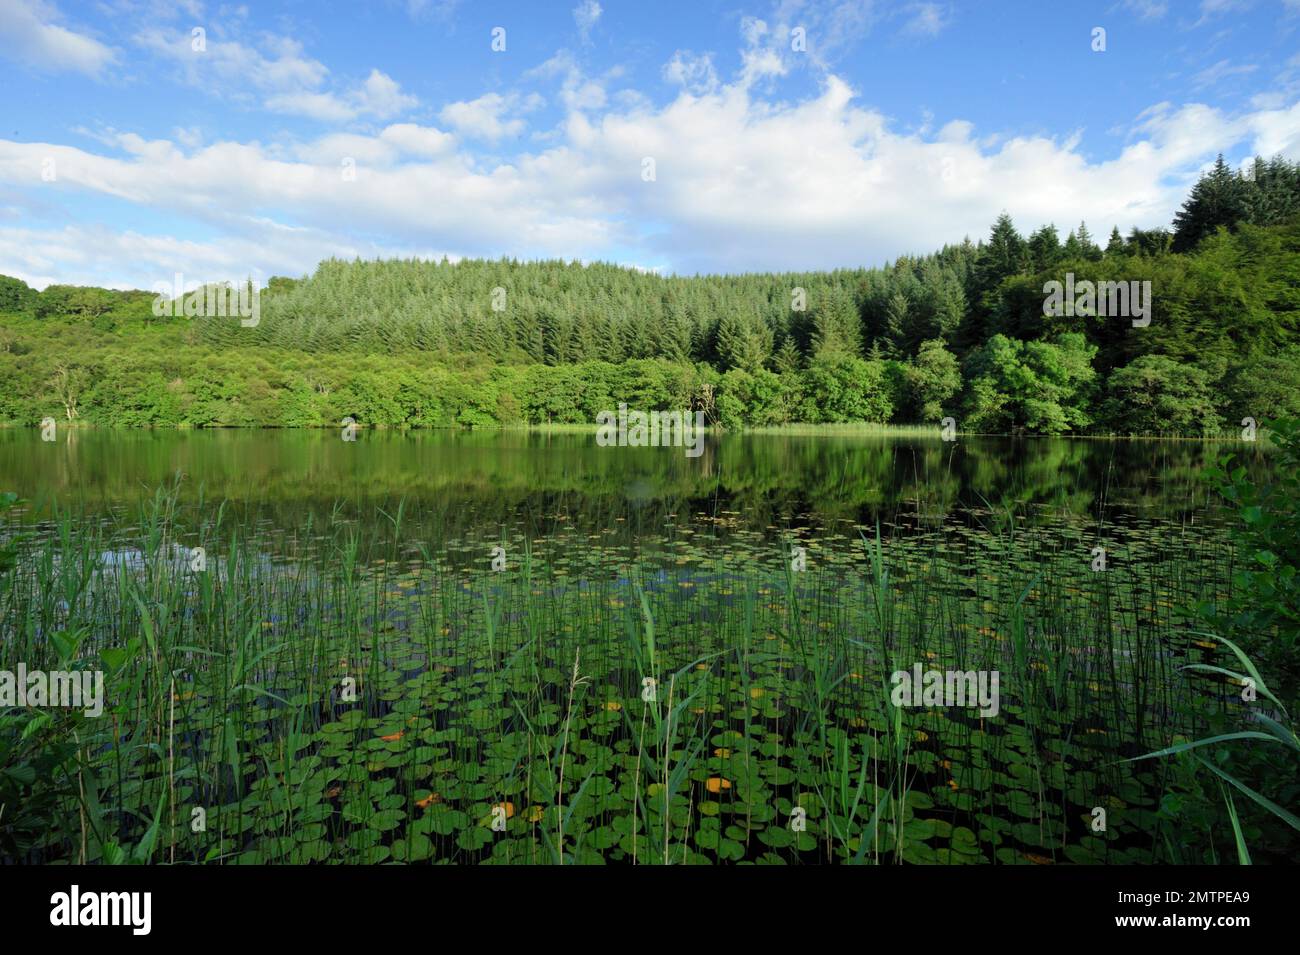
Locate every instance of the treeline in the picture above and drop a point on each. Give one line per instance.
(960, 333)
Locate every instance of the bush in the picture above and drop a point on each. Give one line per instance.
(1035, 386)
(1156, 395)
(838, 388)
(926, 384)
(755, 399)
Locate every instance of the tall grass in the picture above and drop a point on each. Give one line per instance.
(370, 690)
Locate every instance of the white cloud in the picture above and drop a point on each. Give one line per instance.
(227, 63)
(1275, 132)
(585, 15)
(325, 107)
(276, 74)
(421, 141)
(190, 137)
(693, 73)
(831, 30)
(1213, 8)
(29, 35)
(1284, 88)
(1148, 9)
(1220, 71)
(439, 9)
(926, 19)
(379, 96)
(95, 255)
(486, 117)
(578, 91)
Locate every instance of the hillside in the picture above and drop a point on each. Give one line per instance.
(962, 333)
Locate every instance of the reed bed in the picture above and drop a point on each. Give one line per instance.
(367, 688)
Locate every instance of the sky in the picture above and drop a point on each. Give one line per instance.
(142, 139)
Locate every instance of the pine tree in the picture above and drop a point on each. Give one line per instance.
(1219, 198)
(528, 332)
(1116, 244)
(1087, 248)
(787, 360)
(1150, 242)
(837, 325)
(557, 333)
(1005, 253)
(897, 326)
(950, 309)
(744, 342)
(1071, 249)
(1044, 248)
(1273, 193)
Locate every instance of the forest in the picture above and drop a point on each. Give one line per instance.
(961, 333)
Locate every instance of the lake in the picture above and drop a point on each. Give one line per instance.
(518, 646)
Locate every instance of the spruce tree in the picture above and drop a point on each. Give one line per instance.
(1273, 193)
(787, 360)
(897, 326)
(1004, 255)
(837, 325)
(1219, 198)
(1044, 248)
(1088, 248)
(1150, 242)
(1116, 244)
(744, 341)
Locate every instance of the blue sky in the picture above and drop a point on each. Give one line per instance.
(785, 135)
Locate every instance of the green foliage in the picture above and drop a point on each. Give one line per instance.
(1264, 613)
(1268, 777)
(758, 399)
(1149, 243)
(1079, 245)
(1030, 386)
(744, 342)
(1266, 193)
(1264, 385)
(73, 301)
(1044, 248)
(837, 327)
(1115, 245)
(15, 295)
(11, 541)
(44, 754)
(223, 685)
(929, 382)
(1156, 395)
(840, 388)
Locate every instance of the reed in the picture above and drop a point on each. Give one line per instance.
(371, 690)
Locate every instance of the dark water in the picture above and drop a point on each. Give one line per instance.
(536, 478)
